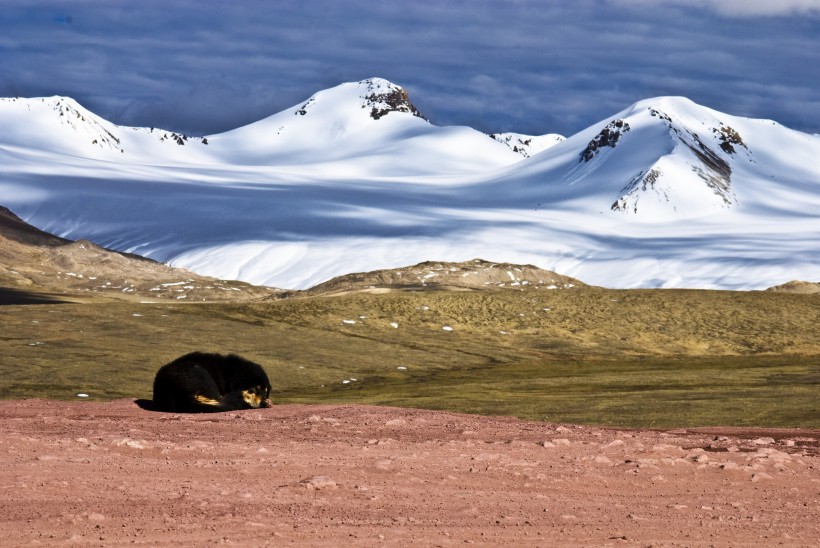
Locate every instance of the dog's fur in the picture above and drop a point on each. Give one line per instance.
(202, 382)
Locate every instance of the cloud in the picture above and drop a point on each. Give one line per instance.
(742, 8)
(524, 65)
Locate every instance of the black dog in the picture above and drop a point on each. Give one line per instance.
(202, 382)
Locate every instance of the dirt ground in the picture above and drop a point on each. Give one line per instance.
(86, 473)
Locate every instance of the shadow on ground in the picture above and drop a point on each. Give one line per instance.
(147, 405)
(16, 296)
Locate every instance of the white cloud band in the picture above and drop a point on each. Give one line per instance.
(742, 8)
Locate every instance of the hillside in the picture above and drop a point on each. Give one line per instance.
(797, 286)
(477, 274)
(36, 265)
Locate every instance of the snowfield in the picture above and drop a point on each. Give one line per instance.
(665, 193)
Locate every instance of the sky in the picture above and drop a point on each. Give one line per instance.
(534, 67)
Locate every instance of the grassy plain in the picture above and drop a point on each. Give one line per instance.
(657, 358)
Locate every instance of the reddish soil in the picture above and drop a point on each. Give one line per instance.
(113, 474)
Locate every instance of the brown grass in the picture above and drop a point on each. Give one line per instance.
(628, 357)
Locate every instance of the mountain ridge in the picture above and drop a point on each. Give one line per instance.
(372, 122)
(665, 193)
(682, 161)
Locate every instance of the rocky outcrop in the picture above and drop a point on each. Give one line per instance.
(642, 182)
(380, 96)
(608, 137)
(383, 98)
(728, 138)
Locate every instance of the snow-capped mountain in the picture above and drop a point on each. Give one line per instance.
(358, 129)
(61, 125)
(665, 193)
(355, 129)
(667, 158)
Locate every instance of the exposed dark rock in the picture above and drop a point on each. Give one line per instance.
(717, 173)
(728, 138)
(516, 143)
(178, 138)
(643, 181)
(380, 97)
(662, 115)
(303, 109)
(394, 100)
(609, 137)
(709, 157)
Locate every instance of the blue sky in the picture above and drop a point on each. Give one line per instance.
(520, 65)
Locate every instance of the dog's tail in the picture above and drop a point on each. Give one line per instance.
(207, 404)
(233, 401)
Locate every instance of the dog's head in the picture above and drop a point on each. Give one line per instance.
(257, 396)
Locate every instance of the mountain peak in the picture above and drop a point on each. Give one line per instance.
(58, 121)
(672, 156)
(384, 97)
(54, 101)
(379, 97)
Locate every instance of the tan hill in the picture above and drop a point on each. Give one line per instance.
(797, 286)
(468, 275)
(33, 263)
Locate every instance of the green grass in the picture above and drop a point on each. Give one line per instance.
(660, 358)
(652, 392)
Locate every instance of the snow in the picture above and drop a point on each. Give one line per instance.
(528, 145)
(295, 199)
